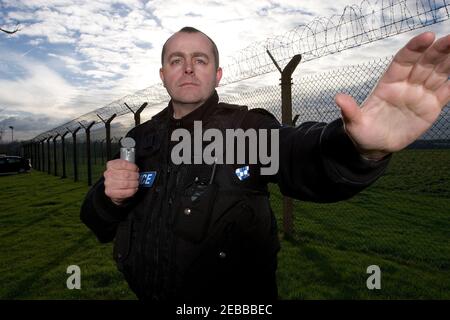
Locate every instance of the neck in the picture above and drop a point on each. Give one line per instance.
(182, 109)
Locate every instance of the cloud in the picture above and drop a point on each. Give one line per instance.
(27, 125)
(72, 64)
(81, 55)
(39, 89)
(28, 122)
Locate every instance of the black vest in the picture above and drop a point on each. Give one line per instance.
(198, 233)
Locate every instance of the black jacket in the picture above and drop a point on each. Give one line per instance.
(182, 237)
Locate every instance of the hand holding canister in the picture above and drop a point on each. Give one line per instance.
(122, 175)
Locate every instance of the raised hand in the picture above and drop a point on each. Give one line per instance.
(405, 103)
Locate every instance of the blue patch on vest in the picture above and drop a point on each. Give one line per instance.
(243, 173)
(146, 179)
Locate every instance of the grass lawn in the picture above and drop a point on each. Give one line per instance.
(401, 224)
(41, 235)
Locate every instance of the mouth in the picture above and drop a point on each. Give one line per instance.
(188, 84)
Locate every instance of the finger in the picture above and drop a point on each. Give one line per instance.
(121, 175)
(120, 184)
(413, 50)
(404, 60)
(350, 111)
(443, 94)
(439, 76)
(430, 60)
(121, 164)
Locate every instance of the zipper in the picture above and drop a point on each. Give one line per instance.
(150, 235)
(158, 286)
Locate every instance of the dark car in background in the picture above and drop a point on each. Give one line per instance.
(14, 164)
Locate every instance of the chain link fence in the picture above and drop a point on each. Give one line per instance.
(313, 98)
(402, 218)
(415, 184)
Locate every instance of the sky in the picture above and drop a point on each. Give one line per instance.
(71, 57)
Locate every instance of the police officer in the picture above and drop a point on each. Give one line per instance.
(206, 231)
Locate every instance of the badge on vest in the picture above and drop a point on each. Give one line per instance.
(146, 179)
(243, 173)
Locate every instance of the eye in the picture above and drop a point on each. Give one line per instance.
(175, 61)
(200, 61)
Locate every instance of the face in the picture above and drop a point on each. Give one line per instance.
(189, 73)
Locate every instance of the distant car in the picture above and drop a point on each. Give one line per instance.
(14, 164)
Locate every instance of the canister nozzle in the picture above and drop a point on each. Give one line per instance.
(127, 149)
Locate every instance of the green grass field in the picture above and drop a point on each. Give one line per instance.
(401, 224)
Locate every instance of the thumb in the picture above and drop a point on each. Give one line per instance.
(351, 113)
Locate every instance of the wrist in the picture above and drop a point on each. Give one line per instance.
(117, 202)
(373, 156)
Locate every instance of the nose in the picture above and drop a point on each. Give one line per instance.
(188, 68)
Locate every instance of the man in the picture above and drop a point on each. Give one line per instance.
(206, 232)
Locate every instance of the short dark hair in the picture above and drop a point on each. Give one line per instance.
(194, 30)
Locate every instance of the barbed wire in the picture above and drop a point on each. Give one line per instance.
(356, 26)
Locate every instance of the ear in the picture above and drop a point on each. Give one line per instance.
(218, 76)
(161, 75)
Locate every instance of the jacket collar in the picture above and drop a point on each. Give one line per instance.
(201, 113)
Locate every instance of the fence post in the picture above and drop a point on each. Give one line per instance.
(95, 152)
(25, 150)
(108, 135)
(286, 119)
(137, 114)
(75, 163)
(36, 155)
(101, 151)
(39, 156)
(54, 154)
(294, 121)
(48, 154)
(33, 145)
(88, 151)
(29, 152)
(63, 155)
(35, 160)
(43, 154)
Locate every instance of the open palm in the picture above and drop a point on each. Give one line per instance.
(405, 103)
